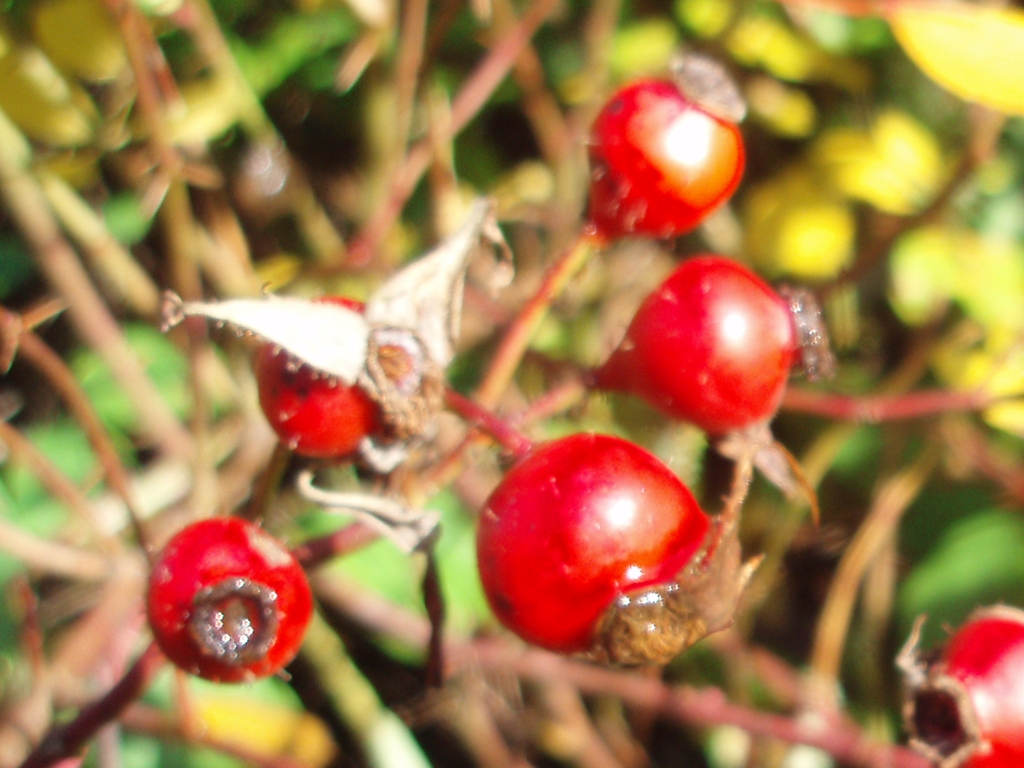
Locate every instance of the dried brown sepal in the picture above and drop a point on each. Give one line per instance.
(937, 711)
(654, 625)
(406, 383)
(235, 621)
(707, 83)
(816, 358)
(773, 460)
(411, 529)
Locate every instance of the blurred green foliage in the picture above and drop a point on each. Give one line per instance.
(867, 179)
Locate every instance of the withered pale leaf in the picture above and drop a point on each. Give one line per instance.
(426, 296)
(328, 337)
(975, 51)
(408, 528)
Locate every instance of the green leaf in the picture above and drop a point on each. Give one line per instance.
(295, 40)
(843, 35)
(977, 562)
(16, 265)
(465, 603)
(67, 447)
(125, 218)
(163, 362)
(387, 571)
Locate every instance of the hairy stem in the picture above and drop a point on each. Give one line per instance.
(66, 740)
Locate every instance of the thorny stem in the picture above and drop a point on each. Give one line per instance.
(516, 340)
(467, 102)
(33, 349)
(269, 481)
(35, 316)
(503, 433)
(343, 541)
(54, 481)
(879, 525)
(694, 706)
(48, 556)
(874, 409)
(66, 740)
(518, 335)
(89, 314)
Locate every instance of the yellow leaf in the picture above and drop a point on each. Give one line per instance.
(896, 165)
(643, 48)
(797, 226)
(974, 51)
(759, 39)
(211, 107)
(265, 728)
(80, 37)
(994, 365)
(41, 102)
(784, 110)
(924, 270)
(705, 18)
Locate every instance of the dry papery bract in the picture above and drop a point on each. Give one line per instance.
(397, 349)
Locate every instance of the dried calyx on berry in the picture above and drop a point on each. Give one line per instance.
(706, 82)
(395, 350)
(714, 345)
(816, 360)
(665, 153)
(590, 545)
(963, 705)
(655, 624)
(228, 602)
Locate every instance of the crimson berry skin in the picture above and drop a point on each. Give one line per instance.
(660, 162)
(968, 710)
(574, 525)
(712, 345)
(227, 601)
(316, 416)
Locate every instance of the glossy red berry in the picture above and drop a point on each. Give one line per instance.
(578, 523)
(227, 601)
(317, 416)
(966, 709)
(662, 158)
(712, 345)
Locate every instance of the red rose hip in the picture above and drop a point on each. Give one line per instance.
(577, 524)
(712, 345)
(966, 709)
(227, 601)
(665, 154)
(315, 415)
